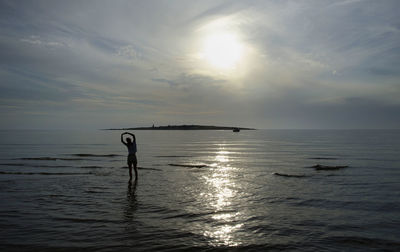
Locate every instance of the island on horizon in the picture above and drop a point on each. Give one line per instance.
(185, 127)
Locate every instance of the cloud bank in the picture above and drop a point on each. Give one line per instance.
(99, 64)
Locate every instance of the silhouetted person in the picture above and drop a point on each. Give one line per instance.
(132, 160)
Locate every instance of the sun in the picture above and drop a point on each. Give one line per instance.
(222, 50)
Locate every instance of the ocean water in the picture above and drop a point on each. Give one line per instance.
(202, 190)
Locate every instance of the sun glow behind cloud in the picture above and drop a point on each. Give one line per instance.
(222, 50)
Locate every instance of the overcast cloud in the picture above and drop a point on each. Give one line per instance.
(107, 64)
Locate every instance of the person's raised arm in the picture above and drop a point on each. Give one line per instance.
(122, 138)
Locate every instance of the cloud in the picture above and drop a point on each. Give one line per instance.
(36, 40)
(129, 52)
(185, 80)
(308, 64)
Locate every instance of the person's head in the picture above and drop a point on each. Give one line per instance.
(128, 140)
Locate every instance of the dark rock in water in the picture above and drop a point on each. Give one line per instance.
(40, 158)
(52, 159)
(289, 175)
(13, 164)
(95, 155)
(190, 166)
(327, 167)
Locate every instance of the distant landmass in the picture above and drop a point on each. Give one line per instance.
(186, 127)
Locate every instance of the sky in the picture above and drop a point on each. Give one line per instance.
(266, 64)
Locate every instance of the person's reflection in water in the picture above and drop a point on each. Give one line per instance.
(131, 204)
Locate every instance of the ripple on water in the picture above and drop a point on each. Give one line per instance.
(201, 191)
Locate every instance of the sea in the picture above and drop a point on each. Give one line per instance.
(202, 190)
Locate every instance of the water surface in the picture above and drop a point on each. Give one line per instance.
(252, 190)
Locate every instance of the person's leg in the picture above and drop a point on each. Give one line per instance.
(135, 167)
(130, 167)
(130, 171)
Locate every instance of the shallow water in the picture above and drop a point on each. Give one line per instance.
(252, 190)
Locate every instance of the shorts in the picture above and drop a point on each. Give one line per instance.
(132, 159)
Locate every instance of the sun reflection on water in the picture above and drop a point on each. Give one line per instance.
(221, 158)
(221, 190)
